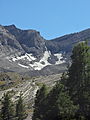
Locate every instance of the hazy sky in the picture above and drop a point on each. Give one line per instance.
(52, 18)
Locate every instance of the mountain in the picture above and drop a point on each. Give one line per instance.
(27, 52)
(30, 40)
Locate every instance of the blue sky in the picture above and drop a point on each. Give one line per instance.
(53, 18)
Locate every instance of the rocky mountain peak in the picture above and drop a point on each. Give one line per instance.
(3, 30)
(30, 40)
(27, 51)
(11, 26)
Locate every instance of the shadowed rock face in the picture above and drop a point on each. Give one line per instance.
(28, 51)
(30, 40)
(66, 43)
(8, 42)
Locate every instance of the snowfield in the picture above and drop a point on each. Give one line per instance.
(36, 65)
(27, 56)
(23, 65)
(39, 65)
(60, 57)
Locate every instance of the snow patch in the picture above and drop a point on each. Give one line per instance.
(23, 65)
(39, 65)
(60, 57)
(27, 56)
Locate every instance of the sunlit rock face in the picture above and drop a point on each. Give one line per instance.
(25, 51)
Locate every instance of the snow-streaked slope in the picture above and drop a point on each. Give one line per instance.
(27, 56)
(23, 65)
(28, 60)
(60, 57)
(43, 62)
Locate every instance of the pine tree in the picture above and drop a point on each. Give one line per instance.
(7, 108)
(20, 109)
(40, 105)
(60, 106)
(64, 78)
(70, 97)
(0, 116)
(78, 82)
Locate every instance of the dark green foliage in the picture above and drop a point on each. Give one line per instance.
(7, 108)
(78, 82)
(40, 105)
(60, 106)
(0, 116)
(64, 78)
(79, 70)
(55, 105)
(70, 98)
(20, 109)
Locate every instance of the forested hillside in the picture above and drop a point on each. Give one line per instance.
(69, 99)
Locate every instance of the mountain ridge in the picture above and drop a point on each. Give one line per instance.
(27, 51)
